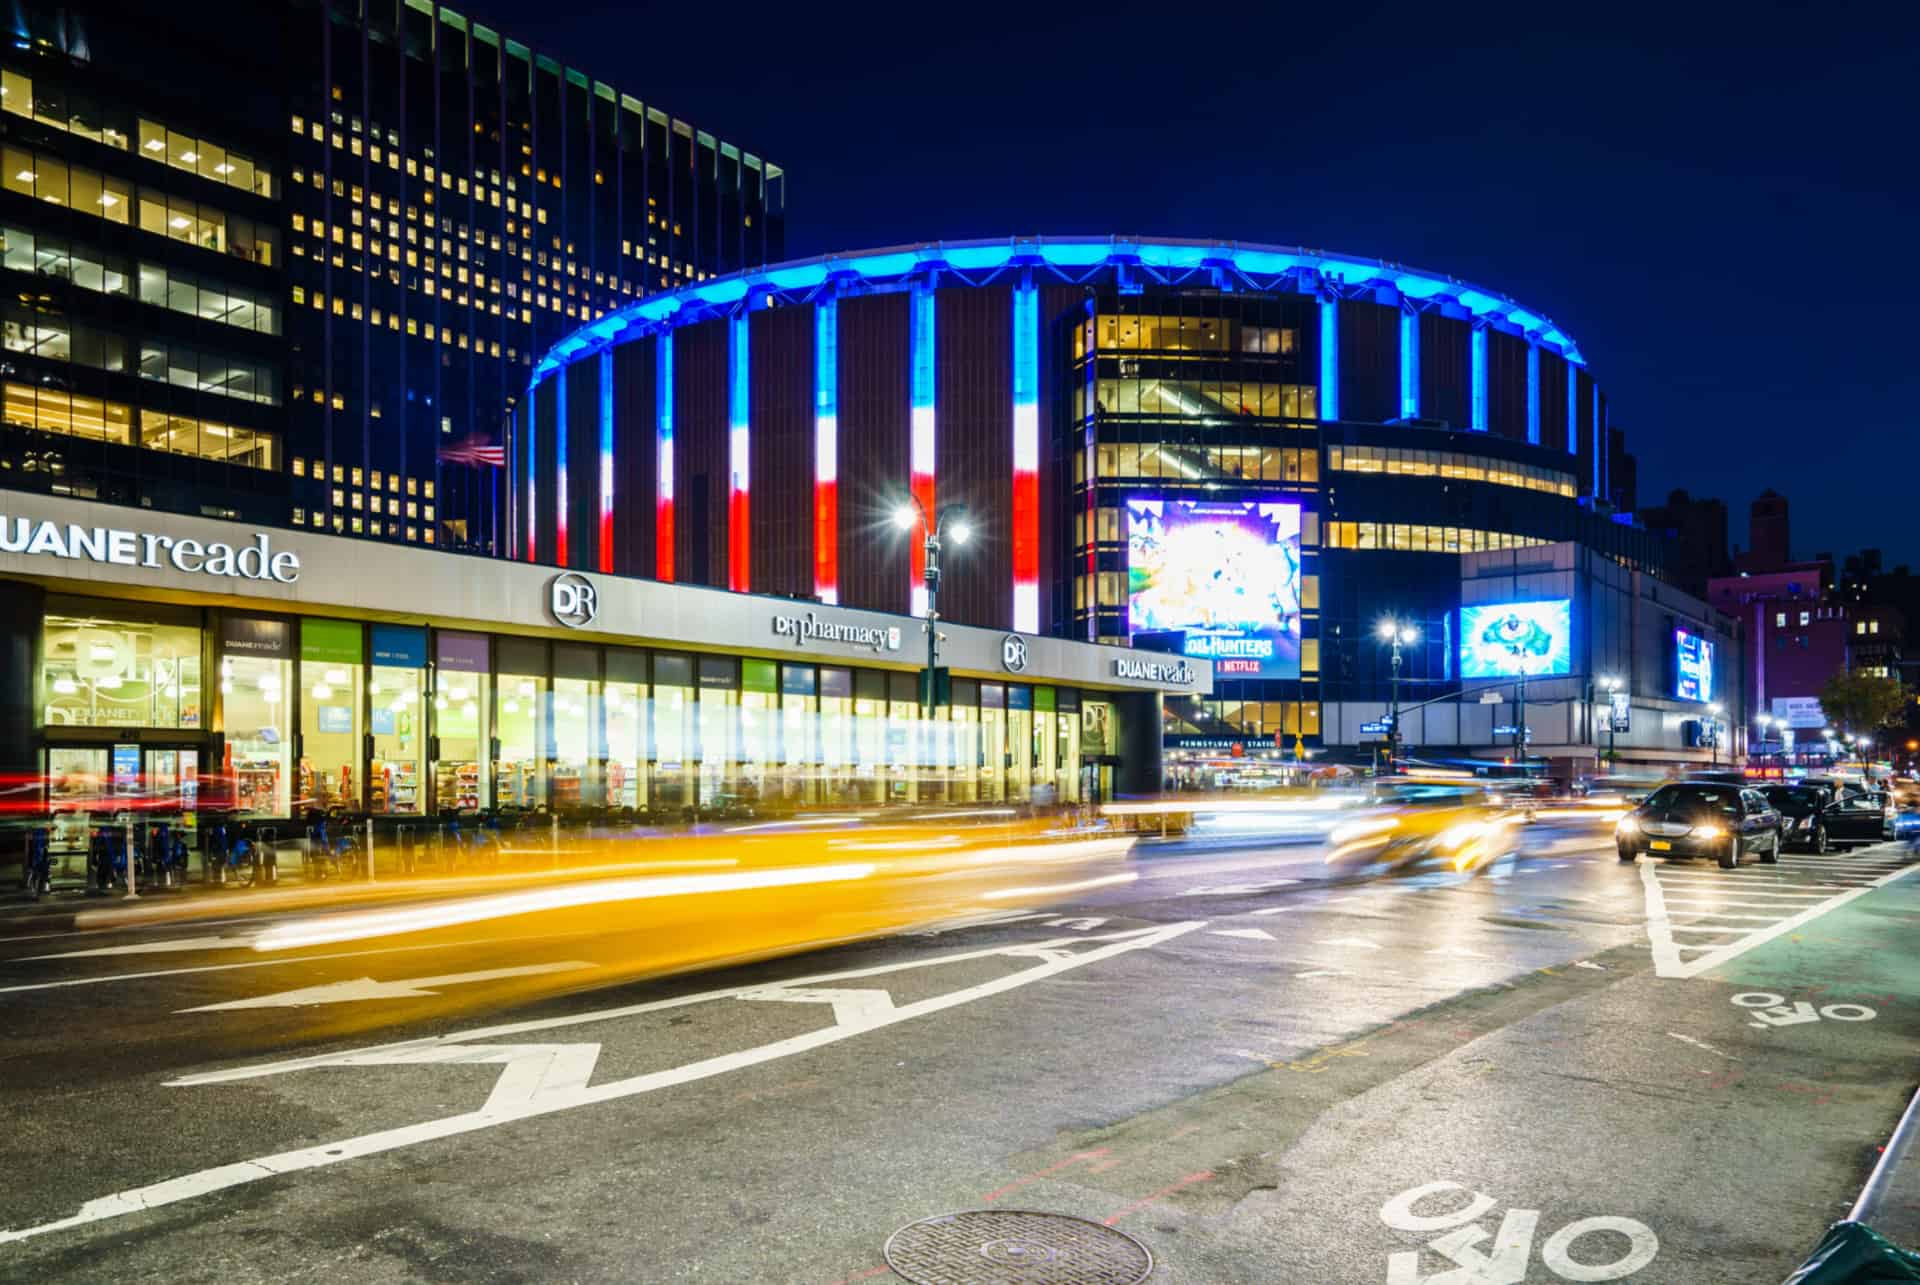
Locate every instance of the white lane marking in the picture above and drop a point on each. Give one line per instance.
(852, 1005)
(1275, 910)
(1666, 953)
(153, 948)
(560, 1083)
(366, 988)
(1458, 952)
(1588, 963)
(1702, 1044)
(975, 921)
(284, 962)
(1356, 943)
(1254, 934)
(1693, 915)
(1322, 972)
(1078, 925)
(1235, 889)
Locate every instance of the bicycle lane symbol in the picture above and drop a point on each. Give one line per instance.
(1506, 1262)
(1770, 1010)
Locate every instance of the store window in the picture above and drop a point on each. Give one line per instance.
(836, 736)
(1067, 751)
(760, 764)
(719, 743)
(116, 665)
(869, 735)
(903, 749)
(672, 753)
(331, 659)
(519, 768)
(1019, 744)
(799, 736)
(398, 721)
(462, 704)
(1096, 729)
(256, 663)
(993, 740)
(625, 749)
(576, 726)
(1045, 746)
(964, 714)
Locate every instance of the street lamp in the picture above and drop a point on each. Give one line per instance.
(1766, 731)
(949, 520)
(1610, 685)
(1398, 633)
(1716, 709)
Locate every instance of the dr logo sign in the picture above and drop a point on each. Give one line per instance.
(1611, 1248)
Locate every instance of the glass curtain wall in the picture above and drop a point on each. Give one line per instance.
(760, 729)
(801, 769)
(903, 748)
(719, 733)
(993, 740)
(1019, 744)
(838, 781)
(869, 736)
(964, 782)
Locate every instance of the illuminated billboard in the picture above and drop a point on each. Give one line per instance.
(1506, 639)
(1692, 667)
(1224, 574)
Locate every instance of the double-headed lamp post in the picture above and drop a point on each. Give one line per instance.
(1398, 633)
(1609, 684)
(1766, 731)
(949, 521)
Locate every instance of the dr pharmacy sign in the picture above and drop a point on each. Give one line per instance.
(810, 628)
(110, 545)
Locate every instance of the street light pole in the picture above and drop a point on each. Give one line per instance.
(1714, 709)
(1395, 633)
(1611, 685)
(950, 517)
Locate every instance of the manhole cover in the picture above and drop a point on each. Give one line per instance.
(1015, 1247)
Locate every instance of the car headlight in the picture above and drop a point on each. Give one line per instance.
(1628, 825)
(1707, 831)
(1803, 823)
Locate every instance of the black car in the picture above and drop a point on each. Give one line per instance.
(1701, 819)
(1803, 813)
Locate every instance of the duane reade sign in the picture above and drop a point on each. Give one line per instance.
(809, 627)
(70, 540)
(1177, 672)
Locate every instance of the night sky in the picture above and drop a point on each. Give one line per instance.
(1715, 202)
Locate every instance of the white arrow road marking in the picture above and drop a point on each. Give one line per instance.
(854, 1008)
(1702, 1044)
(1078, 925)
(1358, 943)
(1666, 951)
(547, 1079)
(153, 948)
(975, 921)
(1235, 889)
(1256, 934)
(365, 988)
(1276, 910)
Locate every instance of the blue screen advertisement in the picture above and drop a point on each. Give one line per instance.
(1226, 574)
(1692, 667)
(1507, 639)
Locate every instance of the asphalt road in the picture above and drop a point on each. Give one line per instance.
(1564, 1068)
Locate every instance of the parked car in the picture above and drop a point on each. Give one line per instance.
(1701, 819)
(1803, 812)
(1860, 818)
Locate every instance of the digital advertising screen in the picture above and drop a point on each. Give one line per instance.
(1692, 667)
(1507, 639)
(1226, 574)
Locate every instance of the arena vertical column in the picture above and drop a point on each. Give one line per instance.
(921, 426)
(1533, 393)
(1409, 364)
(533, 495)
(560, 496)
(826, 451)
(663, 445)
(1026, 458)
(1573, 409)
(739, 441)
(1477, 377)
(1329, 357)
(606, 461)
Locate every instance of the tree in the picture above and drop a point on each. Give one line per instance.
(1861, 702)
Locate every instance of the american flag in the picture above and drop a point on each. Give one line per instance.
(477, 451)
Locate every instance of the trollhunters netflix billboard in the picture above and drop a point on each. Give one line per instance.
(1507, 639)
(1225, 574)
